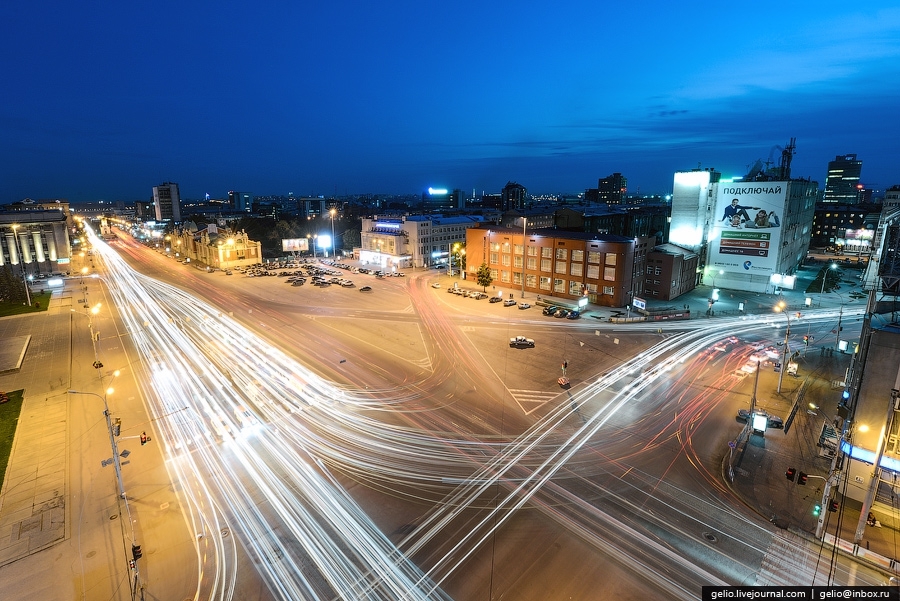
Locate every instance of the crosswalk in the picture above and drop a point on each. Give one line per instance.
(788, 562)
(532, 400)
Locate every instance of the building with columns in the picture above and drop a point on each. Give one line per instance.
(34, 242)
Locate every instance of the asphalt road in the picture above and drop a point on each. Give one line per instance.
(447, 360)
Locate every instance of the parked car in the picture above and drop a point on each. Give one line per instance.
(573, 315)
(561, 313)
(509, 303)
(227, 272)
(520, 342)
(366, 289)
(550, 310)
(495, 299)
(524, 306)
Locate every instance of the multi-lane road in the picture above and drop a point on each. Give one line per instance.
(393, 446)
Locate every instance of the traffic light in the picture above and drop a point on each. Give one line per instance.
(845, 396)
(117, 427)
(802, 478)
(790, 473)
(833, 506)
(144, 438)
(817, 509)
(798, 314)
(136, 552)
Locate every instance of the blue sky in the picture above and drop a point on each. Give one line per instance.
(103, 100)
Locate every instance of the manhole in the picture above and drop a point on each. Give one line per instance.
(710, 537)
(114, 517)
(224, 531)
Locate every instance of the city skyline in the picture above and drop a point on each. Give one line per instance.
(106, 102)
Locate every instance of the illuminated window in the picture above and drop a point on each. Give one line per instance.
(561, 254)
(574, 288)
(594, 257)
(545, 283)
(517, 262)
(560, 267)
(546, 252)
(559, 286)
(609, 274)
(593, 272)
(545, 264)
(578, 255)
(577, 269)
(610, 258)
(532, 263)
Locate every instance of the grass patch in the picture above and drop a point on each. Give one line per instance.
(39, 302)
(9, 421)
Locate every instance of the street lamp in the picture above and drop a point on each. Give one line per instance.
(332, 213)
(825, 275)
(21, 263)
(112, 434)
(781, 308)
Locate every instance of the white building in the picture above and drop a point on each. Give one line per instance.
(750, 235)
(412, 240)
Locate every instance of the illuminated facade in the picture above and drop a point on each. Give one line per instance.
(749, 235)
(412, 240)
(606, 269)
(34, 242)
(842, 183)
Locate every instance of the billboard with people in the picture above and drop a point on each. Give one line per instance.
(294, 245)
(746, 233)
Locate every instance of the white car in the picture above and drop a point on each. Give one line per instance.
(509, 302)
(436, 285)
(524, 306)
(521, 341)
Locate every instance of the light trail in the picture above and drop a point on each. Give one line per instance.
(295, 514)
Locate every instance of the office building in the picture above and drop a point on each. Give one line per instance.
(167, 202)
(842, 183)
(240, 201)
(750, 235)
(608, 270)
(412, 240)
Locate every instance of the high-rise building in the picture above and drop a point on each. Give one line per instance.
(513, 196)
(167, 202)
(750, 235)
(240, 201)
(612, 188)
(842, 180)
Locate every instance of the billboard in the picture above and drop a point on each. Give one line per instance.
(746, 234)
(292, 245)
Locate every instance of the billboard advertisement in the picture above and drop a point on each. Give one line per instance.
(292, 245)
(746, 233)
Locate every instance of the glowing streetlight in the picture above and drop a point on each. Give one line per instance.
(332, 212)
(781, 308)
(825, 275)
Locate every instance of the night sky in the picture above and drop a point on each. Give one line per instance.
(102, 100)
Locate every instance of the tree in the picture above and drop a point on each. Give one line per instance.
(483, 277)
(12, 289)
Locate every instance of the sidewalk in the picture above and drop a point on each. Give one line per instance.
(64, 532)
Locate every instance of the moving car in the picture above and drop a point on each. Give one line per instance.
(773, 421)
(436, 285)
(366, 289)
(521, 341)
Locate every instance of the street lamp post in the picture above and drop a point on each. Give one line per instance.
(781, 308)
(524, 252)
(112, 437)
(825, 275)
(21, 263)
(332, 212)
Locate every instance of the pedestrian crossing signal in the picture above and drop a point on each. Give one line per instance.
(817, 509)
(833, 506)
